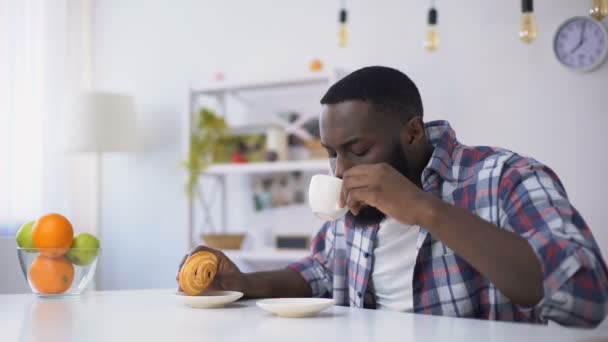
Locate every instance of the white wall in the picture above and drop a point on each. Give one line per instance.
(494, 89)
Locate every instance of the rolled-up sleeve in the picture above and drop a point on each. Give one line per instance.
(316, 268)
(535, 205)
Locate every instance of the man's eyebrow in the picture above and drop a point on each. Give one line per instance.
(352, 141)
(348, 142)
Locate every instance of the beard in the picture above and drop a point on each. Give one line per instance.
(371, 216)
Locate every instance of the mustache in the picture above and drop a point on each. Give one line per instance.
(368, 216)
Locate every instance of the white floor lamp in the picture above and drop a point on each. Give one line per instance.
(100, 122)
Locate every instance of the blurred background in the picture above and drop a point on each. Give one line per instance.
(253, 72)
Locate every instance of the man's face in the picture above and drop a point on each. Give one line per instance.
(354, 134)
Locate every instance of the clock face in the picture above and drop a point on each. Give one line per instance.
(581, 43)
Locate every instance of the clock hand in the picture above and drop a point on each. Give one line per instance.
(582, 39)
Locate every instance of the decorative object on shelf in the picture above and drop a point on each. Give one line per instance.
(276, 141)
(527, 28)
(278, 190)
(224, 241)
(242, 148)
(431, 41)
(238, 156)
(205, 145)
(599, 9)
(343, 30)
(219, 76)
(316, 65)
(581, 43)
(292, 241)
(272, 156)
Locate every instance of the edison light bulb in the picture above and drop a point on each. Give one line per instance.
(431, 41)
(599, 9)
(343, 33)
(527, 29)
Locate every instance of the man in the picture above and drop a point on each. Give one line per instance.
(435, 226)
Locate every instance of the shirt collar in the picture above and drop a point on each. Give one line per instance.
(443, 138)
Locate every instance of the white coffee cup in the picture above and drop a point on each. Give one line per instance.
(324, 197)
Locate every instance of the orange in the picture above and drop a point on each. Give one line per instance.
(52, 235)
(316, 65)
(51, 275)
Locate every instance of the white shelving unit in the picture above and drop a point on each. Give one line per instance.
(221, 92)
(268, 167)
(219, 89)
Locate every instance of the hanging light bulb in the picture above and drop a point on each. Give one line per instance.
(343, 33)
(599, 9)
(527, 29)
(431, 41)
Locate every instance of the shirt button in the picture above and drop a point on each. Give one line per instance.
(359, 294)
(366, 255)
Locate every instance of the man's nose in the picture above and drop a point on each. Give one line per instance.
(341, 165)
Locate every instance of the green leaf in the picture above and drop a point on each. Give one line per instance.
(206, 145)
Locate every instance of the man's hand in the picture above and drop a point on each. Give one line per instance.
(228, 276)
(504, 257)
(382, 187)
(280, 283)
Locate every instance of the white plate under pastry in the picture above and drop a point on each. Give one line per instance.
(295, 307)
(213, 299)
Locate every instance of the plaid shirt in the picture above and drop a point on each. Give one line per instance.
(514, 193)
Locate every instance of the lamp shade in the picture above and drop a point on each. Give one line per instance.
(100, 122)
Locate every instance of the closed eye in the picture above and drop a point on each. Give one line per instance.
(360, 153)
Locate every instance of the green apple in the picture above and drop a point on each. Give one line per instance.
(24, 237)
(84, 249)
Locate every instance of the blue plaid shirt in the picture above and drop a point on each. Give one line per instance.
(514, 193)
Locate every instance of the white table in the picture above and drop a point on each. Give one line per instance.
(153, 315)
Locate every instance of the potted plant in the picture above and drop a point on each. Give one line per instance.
(206, 145)
(209, 143)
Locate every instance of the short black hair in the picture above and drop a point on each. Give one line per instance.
(388, 90)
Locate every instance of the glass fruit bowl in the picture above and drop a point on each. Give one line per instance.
(52, 272)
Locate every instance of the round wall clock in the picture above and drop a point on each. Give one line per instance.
(581, 43)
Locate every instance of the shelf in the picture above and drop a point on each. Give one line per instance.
(269, 167)
(268, 254)
(220, 87)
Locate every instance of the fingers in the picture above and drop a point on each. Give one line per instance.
(357, 198)
(356, 183)
(361, 170)
(352, 182)
(361, 184)
(223, 262)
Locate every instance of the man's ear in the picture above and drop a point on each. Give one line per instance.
(413, 133)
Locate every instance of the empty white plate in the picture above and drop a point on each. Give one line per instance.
(213, 299)
(295, 307)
